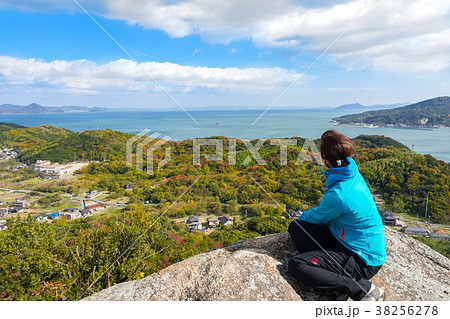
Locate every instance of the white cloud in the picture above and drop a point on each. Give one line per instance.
(394, 35)
(404, 34)
(424, 54)
(88, 77)
(216, 21)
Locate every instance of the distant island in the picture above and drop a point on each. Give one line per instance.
(36, 108)
(432, 113)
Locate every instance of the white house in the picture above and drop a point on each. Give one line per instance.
(49, 170)
(193, 223)
(71, 215)
(225, 220)
(20, 204)
(415, 231)
(41, 218)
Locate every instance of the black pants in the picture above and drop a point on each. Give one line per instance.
(337, 268)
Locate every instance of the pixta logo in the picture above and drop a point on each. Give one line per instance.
(308, 152)
(142, 141)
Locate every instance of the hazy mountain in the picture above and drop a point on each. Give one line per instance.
(36, 108)
(76, 109)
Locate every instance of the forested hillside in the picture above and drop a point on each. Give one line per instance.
(11, 125)
(405, 181)
(24, 138)
(390, 168)
(61, 145)
(87, 145)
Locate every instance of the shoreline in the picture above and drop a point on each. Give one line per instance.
(407, 127)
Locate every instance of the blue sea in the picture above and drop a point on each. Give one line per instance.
(308, 123)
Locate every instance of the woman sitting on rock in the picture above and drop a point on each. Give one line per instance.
(341, 241)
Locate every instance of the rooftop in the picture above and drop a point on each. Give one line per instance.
(411, 228)
(94, 206)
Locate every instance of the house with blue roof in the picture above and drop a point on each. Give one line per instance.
(53, 215)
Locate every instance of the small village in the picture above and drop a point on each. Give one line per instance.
(86, 203)
(6, 153)
(407, 226)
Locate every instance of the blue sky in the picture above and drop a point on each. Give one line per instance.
(75, 36)
(207, 54)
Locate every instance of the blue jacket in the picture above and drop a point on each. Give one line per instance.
(348, 209)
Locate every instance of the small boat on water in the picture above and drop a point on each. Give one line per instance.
(218, 124)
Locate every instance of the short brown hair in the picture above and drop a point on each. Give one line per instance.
(336, 146)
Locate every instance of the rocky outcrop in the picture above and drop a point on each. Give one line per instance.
(256, 269)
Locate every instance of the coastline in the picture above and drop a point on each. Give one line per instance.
(403, 126)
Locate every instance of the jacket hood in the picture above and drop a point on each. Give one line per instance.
(336, 174)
